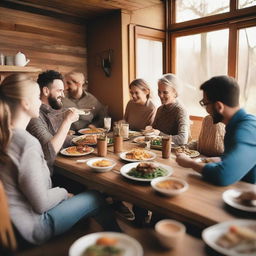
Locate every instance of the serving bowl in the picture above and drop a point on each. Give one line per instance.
(99, 164)
(169, 186)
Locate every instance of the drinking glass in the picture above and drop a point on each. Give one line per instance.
(125, 130)
(107, 123)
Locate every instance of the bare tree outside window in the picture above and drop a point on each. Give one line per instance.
(194, 9)
(246, 3)
(201, 56)
(247, 68)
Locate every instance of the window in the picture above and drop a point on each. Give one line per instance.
(247, 68)
(209, 38)
(193, 9)
(199, 57)
(246, 3)
(149, 65)
(150, 58)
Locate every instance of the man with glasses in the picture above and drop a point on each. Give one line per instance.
(221, 100)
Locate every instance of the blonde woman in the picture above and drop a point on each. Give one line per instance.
(171, 117)
(140, 110)
(37, 210)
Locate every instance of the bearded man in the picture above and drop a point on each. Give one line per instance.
(238, 162)
(52, 126)
(78, 97)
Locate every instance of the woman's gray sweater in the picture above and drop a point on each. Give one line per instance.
(28, 187)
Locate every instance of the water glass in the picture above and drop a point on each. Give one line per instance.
(107, 123)
(125, 130)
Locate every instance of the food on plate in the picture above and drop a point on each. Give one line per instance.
(102, 163)
(92, 130)
(187, 151)
(134, 134)
(139, 140)
(147, 171)
(89, 139)
(169, 184)
(138, 154)
(156, 142)
(75, 150)
(110, 141)
(150, 131)
(241, 239)
(247, 198)
(104, 246)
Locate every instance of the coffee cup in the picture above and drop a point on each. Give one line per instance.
(170, 233)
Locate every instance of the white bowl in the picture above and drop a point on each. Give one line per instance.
(169, 191)
(90, 163)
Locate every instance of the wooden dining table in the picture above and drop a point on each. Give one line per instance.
(201, 205)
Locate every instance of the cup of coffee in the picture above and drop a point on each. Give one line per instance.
(170, 233)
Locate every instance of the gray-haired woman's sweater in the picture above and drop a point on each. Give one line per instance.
(173, 119)
(28, 186)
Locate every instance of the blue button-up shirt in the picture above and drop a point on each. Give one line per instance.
(239, 159)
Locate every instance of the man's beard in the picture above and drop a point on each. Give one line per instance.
(216, 117)
(54, 103)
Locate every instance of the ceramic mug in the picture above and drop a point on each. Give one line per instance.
(170, 233)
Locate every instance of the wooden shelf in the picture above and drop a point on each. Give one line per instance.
(13, 69)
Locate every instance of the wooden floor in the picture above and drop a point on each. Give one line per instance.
(59, 246)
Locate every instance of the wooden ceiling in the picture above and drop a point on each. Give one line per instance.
(81, 9)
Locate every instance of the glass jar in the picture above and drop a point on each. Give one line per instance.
(166, 146)
(102, 146)
(118, 144)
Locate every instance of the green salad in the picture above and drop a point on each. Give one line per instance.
(156, 142)
(110, 140)
(101, 250)
(158, 172)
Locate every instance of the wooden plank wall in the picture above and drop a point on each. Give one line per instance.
(48, 42)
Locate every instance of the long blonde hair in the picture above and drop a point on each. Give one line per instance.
(13, 89)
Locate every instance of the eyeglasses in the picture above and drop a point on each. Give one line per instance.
(203, 104)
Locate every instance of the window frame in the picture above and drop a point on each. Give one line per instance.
(233, 20)
(136, 32)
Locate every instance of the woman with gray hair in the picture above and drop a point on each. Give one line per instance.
(171, 117)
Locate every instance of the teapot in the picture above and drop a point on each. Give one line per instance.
(20, 60)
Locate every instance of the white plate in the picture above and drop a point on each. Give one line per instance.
(82, 131)
(192, 154)
(127, 167)
(133, 134)
(123, 156)
(130, 245)
(65, 153)
(74, 140)
(210, 236)
(139, 140)
(98, 168)
(229, 197)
